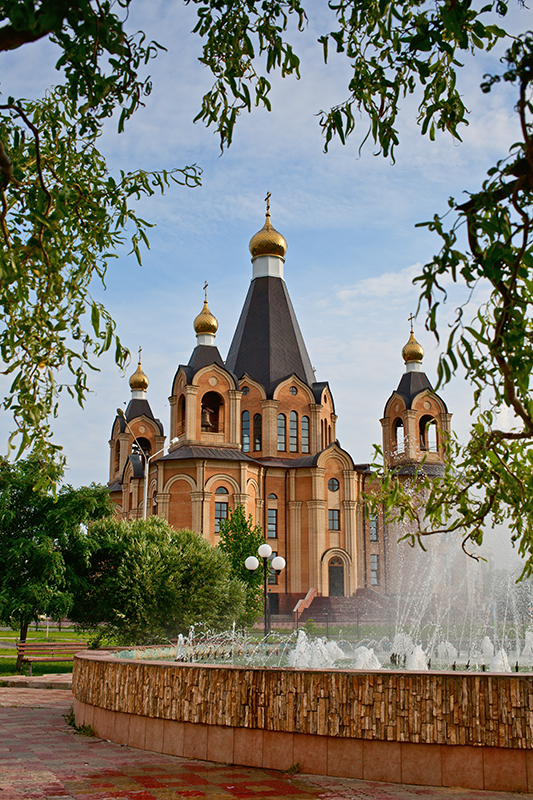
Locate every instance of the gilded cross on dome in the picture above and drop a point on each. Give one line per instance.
(205, 322)
(138, 381)
(412, 351)
(268, 241)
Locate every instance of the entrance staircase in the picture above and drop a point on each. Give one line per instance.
(364, 607)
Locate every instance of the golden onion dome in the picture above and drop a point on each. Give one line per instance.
(139, 381)
(268, 241)
(205, 322)
(412, 351)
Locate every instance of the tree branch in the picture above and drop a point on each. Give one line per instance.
(10, 38)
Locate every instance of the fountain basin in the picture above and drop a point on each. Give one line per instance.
(435, 728)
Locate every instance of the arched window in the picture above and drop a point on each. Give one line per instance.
(221, 514)
(293, 432)
(212, 411)
(117, 456)
(181, 414)
(399, 437)
(221, 506)
(329, 434)
(146, 447)
(322, 439)
(258, 432)
(305, 434)
(272, 496)
(428, 434)
(282, 433)
(246, 431)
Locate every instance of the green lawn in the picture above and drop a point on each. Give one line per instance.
(7, 668)
(54, 635)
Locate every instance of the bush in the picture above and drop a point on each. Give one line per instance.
(144, 582)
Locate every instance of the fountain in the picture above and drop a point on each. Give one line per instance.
(436, 703)
(337, 708)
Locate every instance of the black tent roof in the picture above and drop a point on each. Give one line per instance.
(137, 408)
(268, 345)
(411, 385)
(204, 355)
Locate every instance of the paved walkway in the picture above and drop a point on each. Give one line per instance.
(42, 758)
(57, 680)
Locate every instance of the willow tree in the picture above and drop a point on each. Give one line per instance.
(489, 479)
(62, 213)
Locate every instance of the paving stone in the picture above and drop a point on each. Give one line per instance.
(42, 758)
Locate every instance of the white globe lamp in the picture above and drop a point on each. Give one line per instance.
(251, 563)
(264, 550)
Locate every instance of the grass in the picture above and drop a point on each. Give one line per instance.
(54, 635)
(7, 668)
(7, 664)
(84, 730)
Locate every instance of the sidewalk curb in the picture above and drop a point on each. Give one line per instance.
(33, 683)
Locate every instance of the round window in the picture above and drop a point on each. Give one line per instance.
(245, 390)
(293, 390)
(333, 485)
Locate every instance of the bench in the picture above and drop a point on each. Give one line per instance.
(29, 652)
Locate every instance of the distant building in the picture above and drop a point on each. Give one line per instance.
(258, 429)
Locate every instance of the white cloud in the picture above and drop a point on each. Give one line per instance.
(387, 285)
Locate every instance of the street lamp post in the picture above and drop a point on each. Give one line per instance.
(147, 460)
(278, 563)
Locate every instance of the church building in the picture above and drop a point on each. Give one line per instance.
(257, 429)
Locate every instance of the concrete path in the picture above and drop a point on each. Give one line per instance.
(42, 758)
(57, 680)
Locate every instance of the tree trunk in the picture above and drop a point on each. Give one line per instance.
(23, 633)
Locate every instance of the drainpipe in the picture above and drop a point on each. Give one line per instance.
(286, 534)
(364, 531)
(385, 575)
(265, 529)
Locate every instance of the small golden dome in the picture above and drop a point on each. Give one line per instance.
(268, 241)
(412, 351)
(139, 381)
(205, 322)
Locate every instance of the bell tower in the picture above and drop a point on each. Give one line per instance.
(205, 396)
(416, 420)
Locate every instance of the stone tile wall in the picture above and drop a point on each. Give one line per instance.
(448, 708)
(491, 768)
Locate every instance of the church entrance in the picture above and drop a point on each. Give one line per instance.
(336, 578)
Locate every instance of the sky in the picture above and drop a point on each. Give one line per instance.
(348, 217)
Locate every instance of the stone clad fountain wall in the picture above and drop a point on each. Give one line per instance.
(436, 728)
